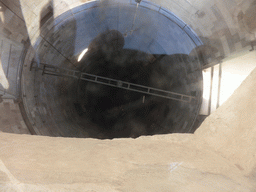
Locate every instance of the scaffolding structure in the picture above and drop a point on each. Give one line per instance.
(63, 72)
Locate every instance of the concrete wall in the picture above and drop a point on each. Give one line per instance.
(222, 25)
(13, 42)
(11, 120)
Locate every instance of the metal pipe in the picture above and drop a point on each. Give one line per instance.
(219, 85)
(210, 97)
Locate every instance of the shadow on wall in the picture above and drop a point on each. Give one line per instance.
(55, 47)
(46, 13)
(246, 21)
(230, 31)
(13, 40)
(3, 80)
(53, 38)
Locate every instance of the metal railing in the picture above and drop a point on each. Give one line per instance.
(62, 72)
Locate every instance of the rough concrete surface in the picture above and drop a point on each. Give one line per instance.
(220, 156)
(11, 120)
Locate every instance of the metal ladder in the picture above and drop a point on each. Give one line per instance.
(63, 72)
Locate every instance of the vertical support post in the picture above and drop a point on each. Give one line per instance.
(219, 85)
(143, 99)
(31, 65)
(8, 67)
(210, 97)
(77, 85)
(252, 44)
(43, 70)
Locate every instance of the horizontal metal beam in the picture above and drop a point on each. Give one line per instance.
(62, 72)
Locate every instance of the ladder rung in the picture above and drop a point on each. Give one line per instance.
(114, 83)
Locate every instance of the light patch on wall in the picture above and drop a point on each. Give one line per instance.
(3, 80)
(230, 82)
(1, 15)
(207, 89)
(234, 72)
(82, 54)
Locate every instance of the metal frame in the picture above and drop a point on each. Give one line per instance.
(62, 72)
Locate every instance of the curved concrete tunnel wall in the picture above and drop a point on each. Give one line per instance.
(224, 31)
(220, 156)
(213, 21)
(63, 38)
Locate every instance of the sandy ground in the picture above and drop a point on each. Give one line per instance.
(220, 156)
